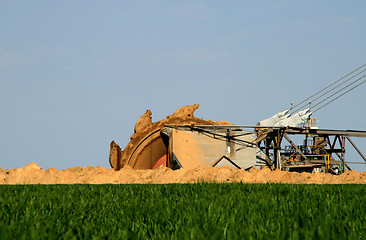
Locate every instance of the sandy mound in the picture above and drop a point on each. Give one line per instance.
(34, 174)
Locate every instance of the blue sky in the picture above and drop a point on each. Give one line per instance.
(75, 75)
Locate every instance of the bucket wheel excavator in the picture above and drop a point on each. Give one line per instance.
(182, 140)
(147, 145)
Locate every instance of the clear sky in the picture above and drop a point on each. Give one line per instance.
(75, 75)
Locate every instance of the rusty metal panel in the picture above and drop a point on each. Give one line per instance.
(194, 148)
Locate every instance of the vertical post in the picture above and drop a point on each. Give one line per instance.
(279, 159)
(274, 155)
(266, 145)
(291, 109)
(343, 143)
(276, 149)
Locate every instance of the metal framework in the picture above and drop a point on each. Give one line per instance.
(323, 149)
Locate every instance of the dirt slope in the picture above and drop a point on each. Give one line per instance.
(33, 174)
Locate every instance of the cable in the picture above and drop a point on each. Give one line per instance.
(339, 91)
(328, 86)
(299, 108)
(339, 95)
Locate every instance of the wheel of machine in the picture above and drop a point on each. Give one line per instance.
(147, 146)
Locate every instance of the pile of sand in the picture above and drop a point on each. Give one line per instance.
(33, 174)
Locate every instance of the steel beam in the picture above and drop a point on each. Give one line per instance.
(296, 148)
(345, 133)
(356, 148)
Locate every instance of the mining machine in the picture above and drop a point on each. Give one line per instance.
(182, 140)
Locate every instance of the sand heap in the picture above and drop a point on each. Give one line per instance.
(34, 174)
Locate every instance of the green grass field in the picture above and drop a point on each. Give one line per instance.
(183, 211)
